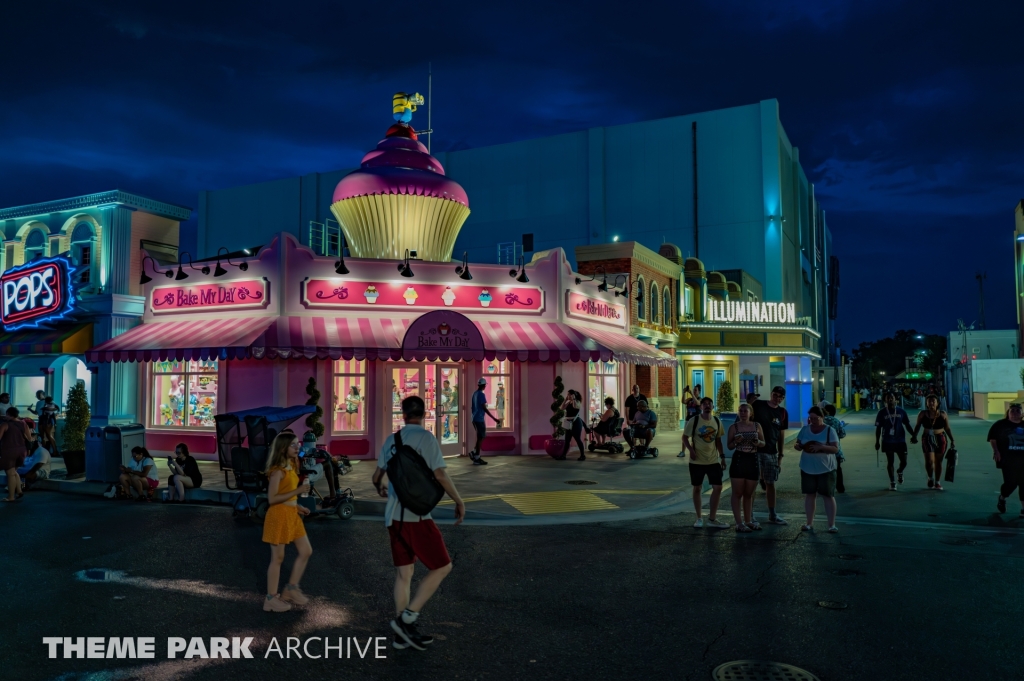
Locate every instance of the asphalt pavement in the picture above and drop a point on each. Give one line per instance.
(917, 585)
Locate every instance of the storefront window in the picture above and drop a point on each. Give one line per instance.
(499, 391)
(349, 408)
(641, 299)
(654, 303)
(602, 382)
(184, 394)
(667, 310)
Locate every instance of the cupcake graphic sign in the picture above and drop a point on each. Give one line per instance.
(335, 293)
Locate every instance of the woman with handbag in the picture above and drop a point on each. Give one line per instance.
(573, 424)
(818, 444)
(937, 437)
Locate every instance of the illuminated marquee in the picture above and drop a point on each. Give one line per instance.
(229, 295)
(38, 292)
(751, 312)
(595, 310)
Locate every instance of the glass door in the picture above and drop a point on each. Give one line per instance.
(697, 379)
(719, 380)
(439, 387)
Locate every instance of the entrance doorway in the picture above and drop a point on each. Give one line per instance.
(439, 385)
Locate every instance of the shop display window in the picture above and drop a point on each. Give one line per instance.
(602, 382)
(349, 409)
(499, 391)
(184, 394)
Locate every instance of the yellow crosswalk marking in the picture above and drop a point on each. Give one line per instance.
(537, 503)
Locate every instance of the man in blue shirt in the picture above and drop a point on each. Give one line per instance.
(891, 428)
(479, 406)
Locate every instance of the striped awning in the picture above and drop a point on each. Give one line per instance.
(73, 339)
(554, 342)
(332, 338)
(204, 339)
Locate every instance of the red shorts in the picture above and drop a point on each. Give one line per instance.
(422, 540)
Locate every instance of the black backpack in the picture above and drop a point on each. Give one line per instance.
(414, 483)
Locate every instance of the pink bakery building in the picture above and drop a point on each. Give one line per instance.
(396, 318)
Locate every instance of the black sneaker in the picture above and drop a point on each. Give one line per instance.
(479, 461)
(899, 478)
(407, 634)
(1001, 505)
(397, 643)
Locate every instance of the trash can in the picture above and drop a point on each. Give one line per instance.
(109, 448)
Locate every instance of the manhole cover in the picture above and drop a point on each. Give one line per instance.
(832, 605)
(754, 670)
(960, 542)
(846, 573)
(580, 482)
(849, 556)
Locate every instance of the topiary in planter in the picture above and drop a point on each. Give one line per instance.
(725, 401)
(76, 418)
(554, 445)
(313, 420)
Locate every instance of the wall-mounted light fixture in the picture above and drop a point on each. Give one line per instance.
(145, 278)
(598, 270)
(403, 267)
(219, 271)
(625, 285)
(463, 269)
(181, 273)
(520, 272)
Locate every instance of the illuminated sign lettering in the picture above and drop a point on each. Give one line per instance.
(595, 310)
(35, 293)
(228, 295)
(751, 312)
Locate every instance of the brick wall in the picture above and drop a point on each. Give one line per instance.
(666, 381)
(643, 379)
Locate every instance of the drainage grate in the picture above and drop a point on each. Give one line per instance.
(754, 670)
(960, 542)
(580, 482)
(846, 573)
(832, 605)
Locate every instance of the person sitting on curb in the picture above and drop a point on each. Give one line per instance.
(184, 474)
(141, 476)
(14, 433)
(37, 465)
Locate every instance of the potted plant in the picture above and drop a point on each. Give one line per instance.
(313, 420)
(76, 421)
(554, 445)
(726, 401)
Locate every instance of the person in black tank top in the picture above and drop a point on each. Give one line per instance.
(573, 424)
(937, 437)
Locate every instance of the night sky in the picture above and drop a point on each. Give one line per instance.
(908, 115)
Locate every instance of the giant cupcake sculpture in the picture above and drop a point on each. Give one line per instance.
(400, 198)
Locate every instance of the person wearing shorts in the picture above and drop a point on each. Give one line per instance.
(745, 436)
(140, 476)
(1006, 436)
(818, 444)
(773, 419)
(702, 438)
(415, 537)
(891, 428)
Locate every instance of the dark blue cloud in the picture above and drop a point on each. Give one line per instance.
(907, 114)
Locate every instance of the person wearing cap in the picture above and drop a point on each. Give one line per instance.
(774, 419)
(753, 397)
(479, 406)
(1006, 436)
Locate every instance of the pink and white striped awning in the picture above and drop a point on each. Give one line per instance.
(204, 339)
(332, 338)
(364, 338)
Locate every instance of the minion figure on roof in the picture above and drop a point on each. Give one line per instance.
(403, 106)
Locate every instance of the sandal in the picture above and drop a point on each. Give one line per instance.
(833, 529)
(806, 528)
(742, 528)
(754, 525)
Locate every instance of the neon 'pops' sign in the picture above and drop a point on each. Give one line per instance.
(36, 292)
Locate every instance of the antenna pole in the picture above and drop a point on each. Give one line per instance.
(981, 276)
(430, 102)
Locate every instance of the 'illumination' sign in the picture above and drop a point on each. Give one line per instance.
(37, 292)
(750, 312)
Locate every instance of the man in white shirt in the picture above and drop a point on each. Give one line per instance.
(37, 465)
(414, 536)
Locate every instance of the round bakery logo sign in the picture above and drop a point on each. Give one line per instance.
(443, 333)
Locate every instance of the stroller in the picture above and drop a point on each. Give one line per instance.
(609, 445)
(244, 466)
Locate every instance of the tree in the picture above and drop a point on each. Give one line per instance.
(556, 409)
(725, 400)
(76, 418)
(313, 420)
(889, 355)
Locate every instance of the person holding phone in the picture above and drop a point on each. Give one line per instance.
(818, 444)
(283, 524)
(185, 473)
(140, 476)
(745, 438)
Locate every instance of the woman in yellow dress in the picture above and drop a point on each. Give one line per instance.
(283, 524)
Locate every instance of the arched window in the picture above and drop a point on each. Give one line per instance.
(641, 298)
(83, 251)
(654, 303)
(35, 244)
(667, 308)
